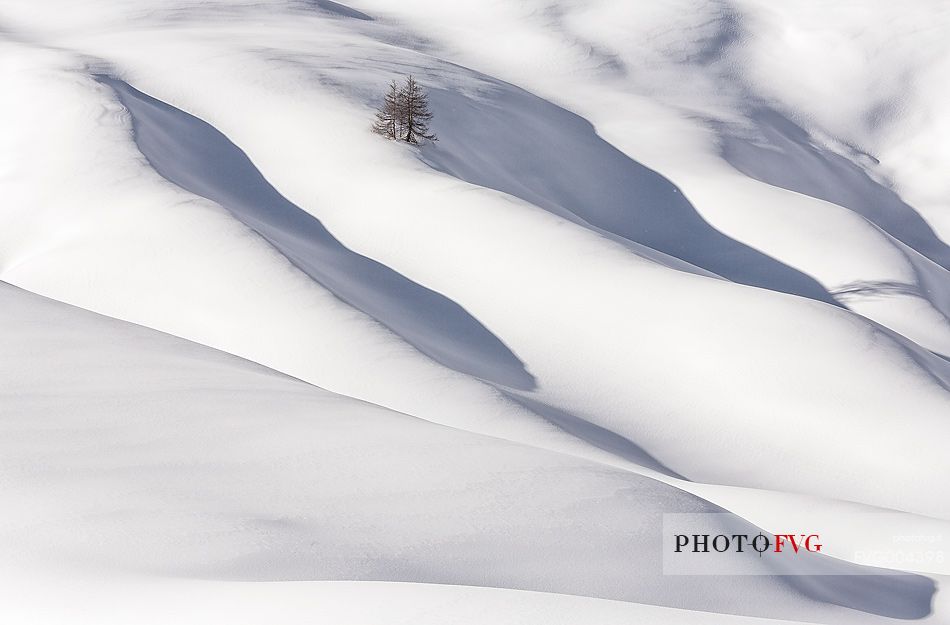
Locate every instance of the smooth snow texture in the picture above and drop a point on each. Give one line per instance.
(226, 470)
(512, 141)
(666, 256)
(340, 603)
(201, 160)
(627, 332)
(663, 81)
(231, 289)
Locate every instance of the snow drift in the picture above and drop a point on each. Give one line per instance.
(651, 266)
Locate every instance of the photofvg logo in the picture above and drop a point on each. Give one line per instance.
(724, 544)
(759, 543)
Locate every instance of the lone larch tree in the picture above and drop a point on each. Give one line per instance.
(415, 101)
(389, 116)
(404, 114)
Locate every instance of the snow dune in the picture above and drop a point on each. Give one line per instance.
(165, 258)
(201, 160)
(638, 274)
(781, 153)
(513, 141)
(750, 361)
(160, 457)
(670, 84)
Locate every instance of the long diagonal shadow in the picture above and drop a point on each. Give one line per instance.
(195, 156)
(784, 155)
(512, 141)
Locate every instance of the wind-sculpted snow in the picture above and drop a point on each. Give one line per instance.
(159, 456)
(611, 337)
(342, 10)
(601, 438)
(195, 156)
(779, 152)
(510, 140)
(692, 67)
(666, 257)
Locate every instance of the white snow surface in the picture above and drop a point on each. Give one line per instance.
(665, 257)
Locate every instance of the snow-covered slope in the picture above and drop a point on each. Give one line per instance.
(155, 456)
(642, 271)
